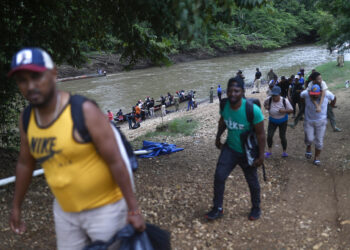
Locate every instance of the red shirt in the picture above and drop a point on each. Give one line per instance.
(110, 116)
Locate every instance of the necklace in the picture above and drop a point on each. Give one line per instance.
(56, 109)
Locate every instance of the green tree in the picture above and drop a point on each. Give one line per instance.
(335, 24)
(64, 28)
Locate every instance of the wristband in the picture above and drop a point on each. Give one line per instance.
(136, 212)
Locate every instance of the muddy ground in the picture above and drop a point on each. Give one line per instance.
(304, 206)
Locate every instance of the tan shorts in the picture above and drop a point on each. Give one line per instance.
(76, 230)
(257, 84)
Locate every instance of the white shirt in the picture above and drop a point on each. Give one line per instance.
(276, 106)
(323, 85)
(310, 108)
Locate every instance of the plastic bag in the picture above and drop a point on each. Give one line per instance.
(132, 240)
(129, 240)
(159, 238)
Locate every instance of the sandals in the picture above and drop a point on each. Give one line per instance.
(317, 162)
(308, 155)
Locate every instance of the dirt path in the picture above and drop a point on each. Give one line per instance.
(303, 206)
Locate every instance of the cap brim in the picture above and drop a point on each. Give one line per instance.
(29, 67)
(314, 93)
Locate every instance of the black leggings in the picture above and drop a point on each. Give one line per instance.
(271, 129)
(295, 101)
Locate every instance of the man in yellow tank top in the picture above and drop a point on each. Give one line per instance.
(93, 192)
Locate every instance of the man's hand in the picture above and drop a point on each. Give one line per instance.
(137, 222)
(258, 162)
(16, 224)
(218, 143)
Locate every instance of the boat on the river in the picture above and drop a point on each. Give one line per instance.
(71, 78)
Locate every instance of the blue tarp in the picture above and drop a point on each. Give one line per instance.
(158, 148)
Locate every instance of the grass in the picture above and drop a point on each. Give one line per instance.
(185, 126)
(333, 75)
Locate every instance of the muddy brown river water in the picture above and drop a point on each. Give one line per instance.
(122, 90)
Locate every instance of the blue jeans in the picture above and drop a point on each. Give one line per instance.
(227, 162)
(189, 105)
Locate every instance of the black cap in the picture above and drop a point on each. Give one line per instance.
(238, 81)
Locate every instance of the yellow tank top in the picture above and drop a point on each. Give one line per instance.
(77, 175)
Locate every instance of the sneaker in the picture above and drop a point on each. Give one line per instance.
(268, 155)
(317, 163)
(308, 155)
(214, 214)
(254, 213)
(336, 129)
(284, 155)
(292, 125)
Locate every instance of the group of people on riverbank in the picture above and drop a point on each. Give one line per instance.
(241, 116)
(85, 159)
(143, 110)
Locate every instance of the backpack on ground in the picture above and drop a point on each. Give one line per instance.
(76, 102)
(248, 139)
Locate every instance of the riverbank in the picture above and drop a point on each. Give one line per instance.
(303, 206)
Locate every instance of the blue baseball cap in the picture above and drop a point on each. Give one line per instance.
(276, 90)
(315, 90)
(32, 59)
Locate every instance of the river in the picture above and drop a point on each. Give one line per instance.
(122, 90)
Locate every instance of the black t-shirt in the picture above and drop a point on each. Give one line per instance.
(297, 87)
(284, 85)
(257, 75)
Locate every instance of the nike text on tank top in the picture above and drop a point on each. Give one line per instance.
(77, 175)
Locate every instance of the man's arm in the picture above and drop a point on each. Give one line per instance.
(221, 130)
(103, 138)
(260, 134)
(318, 106)
(24, 171)
(266, 104)
(290, 94)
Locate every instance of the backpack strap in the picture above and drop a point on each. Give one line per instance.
(270, 100)
(76, 102)
(222, 104)
(249, 109)
(26, 117)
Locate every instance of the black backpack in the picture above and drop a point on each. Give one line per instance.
(76, 102)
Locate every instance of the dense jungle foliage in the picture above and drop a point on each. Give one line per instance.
(153, 29)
